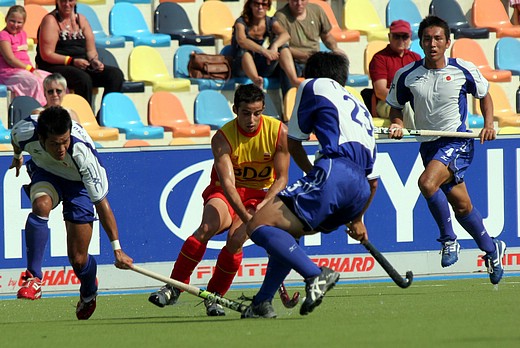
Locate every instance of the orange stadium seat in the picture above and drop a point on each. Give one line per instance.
(340, 34)
(492, 15)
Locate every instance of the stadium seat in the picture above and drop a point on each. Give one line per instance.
(87, 119)
(355, 93)
(166, 110)
(270, 108)
(5, 134)
(136, 143)
(7, 3)
(475, 121)
(135, 1)
(340, 34)
(415, 46)
(507, 53)
(118, 111)
(492, 15)
(171, 19)
(372, 48)
(508, 130)
(92, 2)
(108, 58)
(404, 9)
(212, 108)
(471, 51)
(452, 13)
(503, 112)
(216, 18)
(125, 19)
(35, 13)
(20, 108)
(181, 59)
(3, 91)
(145, 64)
(362, 16)
(102, 39)
(39, 2)
(288, 103)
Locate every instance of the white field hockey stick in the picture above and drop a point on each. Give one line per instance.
(204, 294)
(423, 132)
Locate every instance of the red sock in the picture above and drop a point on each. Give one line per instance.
(191, 254)
(227, 266)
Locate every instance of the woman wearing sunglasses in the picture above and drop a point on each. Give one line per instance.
(259, 42)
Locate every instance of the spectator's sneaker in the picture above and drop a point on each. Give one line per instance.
(213, 309)
(262, 310)
(84, 310)
(316, 288)
(493, 261)
(31, 287)
(449, 253)
(165, 296)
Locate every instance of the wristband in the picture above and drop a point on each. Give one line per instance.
(29, 68)
(115, 245)
(17, 156)
(68, 60)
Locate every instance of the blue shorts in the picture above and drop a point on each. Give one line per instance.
(332, 194)
(455, 153)
(77, 206)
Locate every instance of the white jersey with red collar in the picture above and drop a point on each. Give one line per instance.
(438, 96)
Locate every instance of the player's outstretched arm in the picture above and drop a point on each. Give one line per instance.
(108, 220)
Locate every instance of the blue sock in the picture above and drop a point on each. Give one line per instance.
(474, 225)
(274, 276)
(87, 277)
(439, 207)
(36, 238)
(281, 245)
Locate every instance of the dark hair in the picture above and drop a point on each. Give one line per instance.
(247, 11)
(434, 21)
(248, 94)
(54, 120)
(328, 64)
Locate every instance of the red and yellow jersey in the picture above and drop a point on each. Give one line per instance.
(252, 154)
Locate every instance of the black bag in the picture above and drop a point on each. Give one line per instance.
(209, 66)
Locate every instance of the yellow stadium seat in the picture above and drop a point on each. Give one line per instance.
(361, 15)
(503, 112)
(372, 48)
(215, 18)
(146, 64)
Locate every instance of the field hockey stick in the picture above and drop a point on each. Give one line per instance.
(204, 294)
(287, 301)
(396, 277)
(423, 132)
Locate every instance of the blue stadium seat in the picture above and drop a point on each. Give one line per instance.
(20, 108)
(3, 91)
(507, 53)
(118, 111)
(415, 46)
(5, 134)
(404, 9)
(102, 39)
(181, 59)
(125, 19)
(212, 108)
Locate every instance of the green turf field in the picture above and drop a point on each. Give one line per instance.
(448, 313)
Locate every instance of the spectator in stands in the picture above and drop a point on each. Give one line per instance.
(252, 56)
(307, 24)
(66, 46)
(16, 70)
(515, 18)
(55, 87)
(385, 63)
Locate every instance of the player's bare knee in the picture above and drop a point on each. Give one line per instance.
(204, 233)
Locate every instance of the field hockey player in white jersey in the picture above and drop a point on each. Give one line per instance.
(437, 88)
(335, 191)
(64, 167)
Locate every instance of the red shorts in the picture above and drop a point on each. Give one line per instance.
(249, 197)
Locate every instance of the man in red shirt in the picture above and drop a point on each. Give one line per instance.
(385, 63)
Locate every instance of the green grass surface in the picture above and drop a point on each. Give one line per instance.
(447, 313)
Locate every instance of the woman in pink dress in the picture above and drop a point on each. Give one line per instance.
(16, 70)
